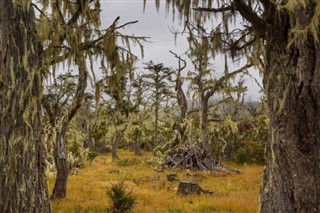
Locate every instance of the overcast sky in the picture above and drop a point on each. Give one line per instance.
(156, 25)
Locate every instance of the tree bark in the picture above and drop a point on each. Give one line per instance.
(292, 82)
(207, 152)
(61, 162)
(156, 121)
(137, 145)
(23, 185)
(115, 143)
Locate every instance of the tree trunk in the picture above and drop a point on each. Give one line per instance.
(137, 146)
(61, 162)
(292, 82)
(23, 185)
(156, 112)
(115, 145)
(204, 128)
(183, 104)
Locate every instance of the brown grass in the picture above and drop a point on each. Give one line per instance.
(87, 190)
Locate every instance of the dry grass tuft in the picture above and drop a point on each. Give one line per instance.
(87, 190)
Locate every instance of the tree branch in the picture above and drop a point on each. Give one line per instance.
(38, 9)
(215, 10)
(82, 84)
(48, 109)
(247, 13)
(218, 83)
(57, 3)
(76, 15)
(266, 4)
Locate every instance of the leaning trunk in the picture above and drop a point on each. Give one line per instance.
(61, 162)
(23, 185)
(292, 82)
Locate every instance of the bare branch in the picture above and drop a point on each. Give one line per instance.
(215, 10)
(38, 9)
(128, 23)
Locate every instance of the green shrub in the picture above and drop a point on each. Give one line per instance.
(249, 152)
(122, 199)
(123, 162)
(92, 156)
(176, 211)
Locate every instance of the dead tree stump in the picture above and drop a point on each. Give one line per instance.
(172, 177)
(187, 188)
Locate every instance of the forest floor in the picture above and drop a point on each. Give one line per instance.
(86, 191)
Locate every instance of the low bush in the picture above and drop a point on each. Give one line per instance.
(122, 199)
(249, 152)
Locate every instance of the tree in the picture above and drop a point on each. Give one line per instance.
(60, 112)
(157, 81)
(281, 38)
(71, 34)
(135, 129)
(119, 109)
(23, 185)
(182, 102)
(204, 85)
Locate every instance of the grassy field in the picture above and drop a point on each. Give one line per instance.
(87, 190)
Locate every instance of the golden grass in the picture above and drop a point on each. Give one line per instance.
(87, 190)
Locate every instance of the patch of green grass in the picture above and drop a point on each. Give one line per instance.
(123, 162)
(176, 211)
(206, 208)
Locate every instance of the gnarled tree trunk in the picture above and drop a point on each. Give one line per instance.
(23, 185)
(61, 162)
(60, 152)
(292, 81)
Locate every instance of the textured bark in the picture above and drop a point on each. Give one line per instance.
(183, 104)
(204, 99)
(23, 185)
(204, 127)
(61, 162)
(292, 81)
